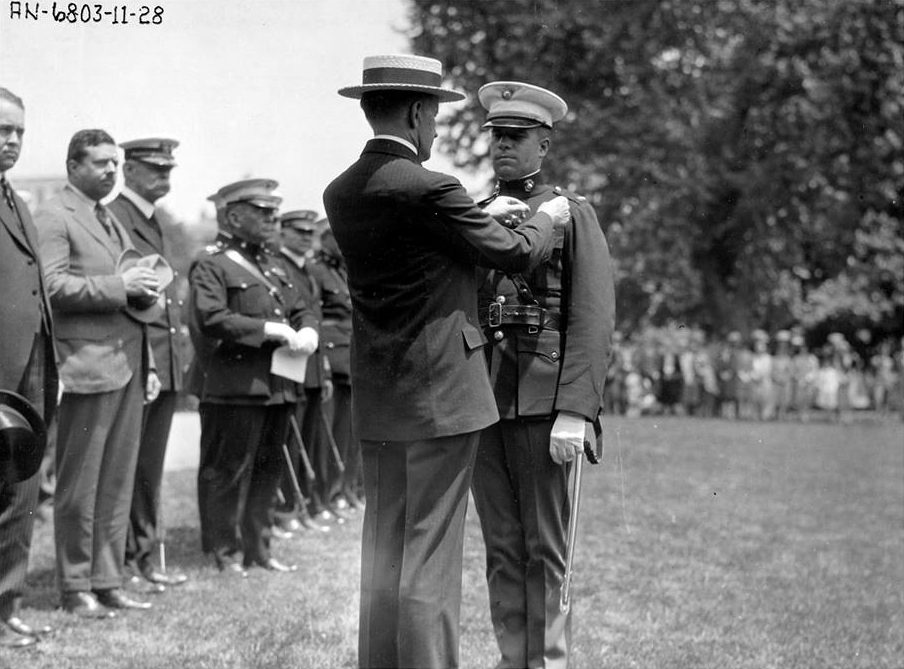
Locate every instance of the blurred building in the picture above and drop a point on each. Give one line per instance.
(37, 190)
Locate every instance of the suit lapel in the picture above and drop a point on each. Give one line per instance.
(84, 216)
(18, 231)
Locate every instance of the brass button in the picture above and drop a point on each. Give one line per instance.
(499, 335)
(277, 312)
(554, 355)
(500, 299)
(172, 330)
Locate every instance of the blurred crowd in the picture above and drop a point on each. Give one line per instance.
(780, 376)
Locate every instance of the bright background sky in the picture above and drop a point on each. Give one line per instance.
(248, 88)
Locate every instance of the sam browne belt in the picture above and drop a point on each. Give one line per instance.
(498, 315)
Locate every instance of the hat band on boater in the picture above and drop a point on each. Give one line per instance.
(400, 75)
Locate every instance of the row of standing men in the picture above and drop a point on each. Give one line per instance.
(88, 315)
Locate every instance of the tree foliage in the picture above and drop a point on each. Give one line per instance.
(744, 156)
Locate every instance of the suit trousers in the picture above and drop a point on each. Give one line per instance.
(241, 461)
(18, 500)
(521, 497)
(143, 517)
(411, 554)
(97, 449)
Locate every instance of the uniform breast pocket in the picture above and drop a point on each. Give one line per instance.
(247, 296)
(539, 363)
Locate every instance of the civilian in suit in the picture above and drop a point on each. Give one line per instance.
(104, 370)
(412, 240)
(27, 367)
(243, 305)
(146, 171)
(549, 333)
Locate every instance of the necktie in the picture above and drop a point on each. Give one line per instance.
(8, 194)
(101, 212)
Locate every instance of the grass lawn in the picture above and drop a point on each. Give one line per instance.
(703, 544)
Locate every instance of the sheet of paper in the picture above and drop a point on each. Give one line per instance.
(288, 364)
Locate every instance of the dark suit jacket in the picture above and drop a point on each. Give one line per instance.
(24, 310)
(100, 346)
(164, 333)
(412, 240)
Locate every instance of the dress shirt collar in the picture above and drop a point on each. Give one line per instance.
(403, 142)
(146, 208)
(79, 194)
(294, 257)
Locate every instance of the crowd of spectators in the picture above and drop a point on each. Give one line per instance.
(677, 370)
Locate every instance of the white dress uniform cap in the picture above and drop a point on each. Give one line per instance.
(300, 219)
(258, 192)
(514, 104)
(152, 150)
(402, 72)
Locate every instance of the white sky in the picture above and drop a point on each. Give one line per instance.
(247, 87)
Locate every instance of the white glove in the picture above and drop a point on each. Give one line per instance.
(510, 211)
(566, 441)
(308, 340)
(280, 332)
(557, 209)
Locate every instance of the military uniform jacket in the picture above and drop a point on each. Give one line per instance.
(336, 326)
(228, 308)
(164, 333)
(25, 310)
(538, 371)
(411, 239)
(307, 284)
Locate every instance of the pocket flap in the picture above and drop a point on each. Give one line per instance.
(473, 337)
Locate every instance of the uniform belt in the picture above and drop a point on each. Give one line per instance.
(498, 315)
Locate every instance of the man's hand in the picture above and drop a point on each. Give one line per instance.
(282, 333)
(308, 340)
(152, 387)
(557, 209)
(566, 441)
(140, 282)
(510, 211)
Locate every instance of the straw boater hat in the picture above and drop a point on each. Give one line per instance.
(402, 73)
(513, 104)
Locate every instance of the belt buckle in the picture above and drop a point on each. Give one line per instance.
(494, 315)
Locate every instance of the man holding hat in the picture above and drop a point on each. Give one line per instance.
(412, 240)
(243, 306)
(146, 171)
(28, 370)
(549, 331)
(105, 374)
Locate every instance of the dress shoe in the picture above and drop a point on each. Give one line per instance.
(354, 501)
(116, 598)
(159, 578)
(279, 533)
(327, 516)
(342, 516)
(85, 605)
(291, 525)
(309, 523)
(19, 626)
(272, 564)
(340, 503)
(231, 567)
(9, 638)
(138, 585)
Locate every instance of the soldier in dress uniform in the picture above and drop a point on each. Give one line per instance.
(297, 236)
(146, 171)
(335, 340)
(243, 306)
(549, 332)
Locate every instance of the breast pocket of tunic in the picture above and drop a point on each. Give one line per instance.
(248, 297)
(539, 364)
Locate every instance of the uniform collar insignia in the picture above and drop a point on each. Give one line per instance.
(520, 188)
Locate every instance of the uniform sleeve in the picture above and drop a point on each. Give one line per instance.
(211, 315)
(590, 312)
(473, 236)
(71, 292)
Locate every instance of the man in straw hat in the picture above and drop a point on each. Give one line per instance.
(412, 239)
(104, 370)
(27, 367)
(549, 332)
(146, 171)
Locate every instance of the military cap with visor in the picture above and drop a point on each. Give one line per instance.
(156, 151)
(514, 104)
(302, 220)
(257, 192)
